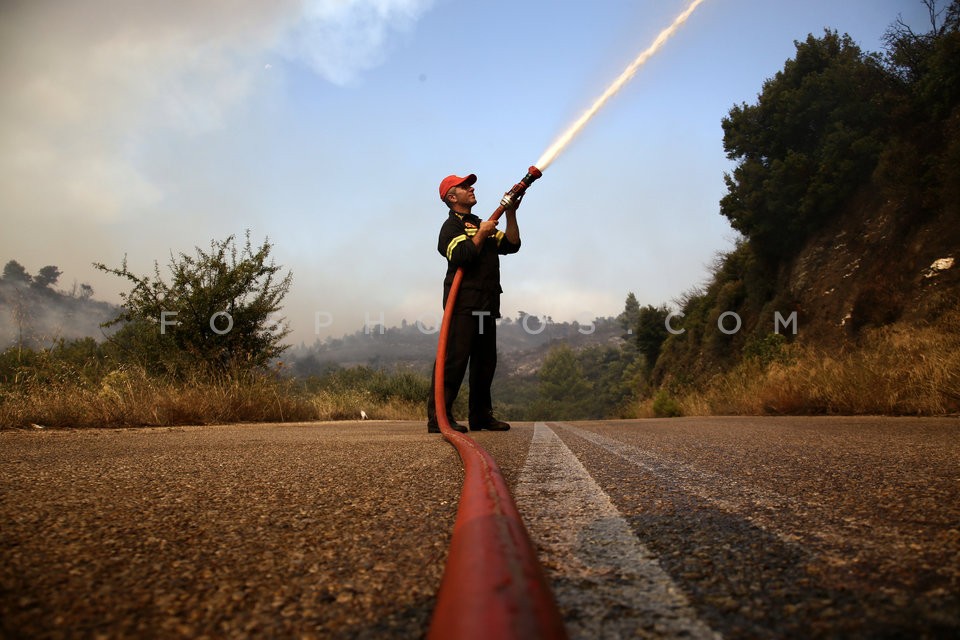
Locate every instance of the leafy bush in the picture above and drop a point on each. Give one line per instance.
(665, 406)
(215, 314)
(766, 350)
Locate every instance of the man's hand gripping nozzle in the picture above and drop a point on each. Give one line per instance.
(511, 199)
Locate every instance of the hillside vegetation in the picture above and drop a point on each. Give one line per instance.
(36, 314)
(847, 195)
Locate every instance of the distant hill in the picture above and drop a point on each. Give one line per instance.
(34, 314)
(523, 343)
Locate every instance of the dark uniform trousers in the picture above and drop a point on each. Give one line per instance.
(472, 339)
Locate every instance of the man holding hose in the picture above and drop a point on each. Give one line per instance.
(475, 245)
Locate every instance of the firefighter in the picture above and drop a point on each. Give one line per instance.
(475, 245)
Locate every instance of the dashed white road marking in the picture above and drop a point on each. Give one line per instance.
(762, 507)
(722, 491)
(607, 583)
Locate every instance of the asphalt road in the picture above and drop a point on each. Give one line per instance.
(741, 528)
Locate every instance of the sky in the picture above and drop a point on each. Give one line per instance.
(142, 129)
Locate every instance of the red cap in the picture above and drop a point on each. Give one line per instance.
(454, 181)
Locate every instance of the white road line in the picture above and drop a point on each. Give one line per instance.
(764, 508)
(690, 479)
(607, 583)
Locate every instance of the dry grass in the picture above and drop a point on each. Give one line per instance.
(895, 370)
(129, 397)
(346, 405)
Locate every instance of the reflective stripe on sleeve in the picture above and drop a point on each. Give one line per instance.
(453, 245)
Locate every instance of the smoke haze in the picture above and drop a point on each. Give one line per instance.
(135, 128)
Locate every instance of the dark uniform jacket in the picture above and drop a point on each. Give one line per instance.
(480, 288)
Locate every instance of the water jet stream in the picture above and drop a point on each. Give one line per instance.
(554, 150)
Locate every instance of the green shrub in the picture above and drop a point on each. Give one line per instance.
(665, 406)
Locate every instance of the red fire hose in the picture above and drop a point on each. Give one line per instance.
(493, 585)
